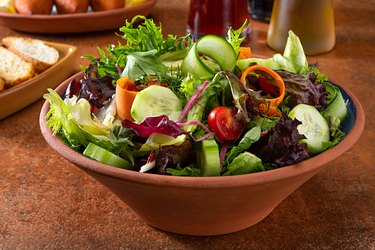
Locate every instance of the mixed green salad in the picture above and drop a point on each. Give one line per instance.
(171, 106)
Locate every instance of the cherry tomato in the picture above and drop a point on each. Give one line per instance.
(222, 121)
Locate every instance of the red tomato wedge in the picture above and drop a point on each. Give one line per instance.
(222, 121)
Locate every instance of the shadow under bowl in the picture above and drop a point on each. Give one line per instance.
(206, 205)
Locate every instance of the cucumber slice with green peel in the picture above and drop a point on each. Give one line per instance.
(193, 64)
(337, 107)
(104, 156)
(208, 157)
(219, 50)
(154, 101)
(314, 127)
(216, 48)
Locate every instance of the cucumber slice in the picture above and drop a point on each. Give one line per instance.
(208, 158)
(337, 107)
(193, 64)
(102, 155)
(216, 48)
(314, 127)
(154, 101)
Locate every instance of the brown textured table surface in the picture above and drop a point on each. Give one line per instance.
(46, 202)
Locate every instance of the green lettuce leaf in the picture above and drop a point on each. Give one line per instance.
(61, 121)
(247, 140)
(265, 123)
(147, 36)
(245, 163)
(141, 34)
(336, 105)
(293, 60)
(215, 86)
(81, 111)
(189, 85)
(141, 64)
(234, 36)
(295, 54)
(186, 171)
(73, 122)
(156, 140)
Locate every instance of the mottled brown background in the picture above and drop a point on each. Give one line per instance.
(46, 202)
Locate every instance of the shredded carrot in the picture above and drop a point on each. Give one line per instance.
(124, 98)
(270, 108)
(245, 52)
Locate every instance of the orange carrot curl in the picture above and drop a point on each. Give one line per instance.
(270, 107)
(124, 98)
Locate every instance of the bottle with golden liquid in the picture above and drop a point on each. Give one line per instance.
(311, 20)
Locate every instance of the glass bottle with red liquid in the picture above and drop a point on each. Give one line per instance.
(215, 16)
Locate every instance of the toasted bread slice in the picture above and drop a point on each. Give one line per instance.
(13, 69)
(34, 51)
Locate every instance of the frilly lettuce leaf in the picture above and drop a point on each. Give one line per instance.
(189, 85)
(62, 122)
(234, 36)
(280, 144)
(73, 122)
(140, 34)
(81, 111)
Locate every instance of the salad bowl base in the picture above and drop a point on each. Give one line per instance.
(199, 210)
(205, 205)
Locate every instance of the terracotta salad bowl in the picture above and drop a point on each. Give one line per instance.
(206, 205)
